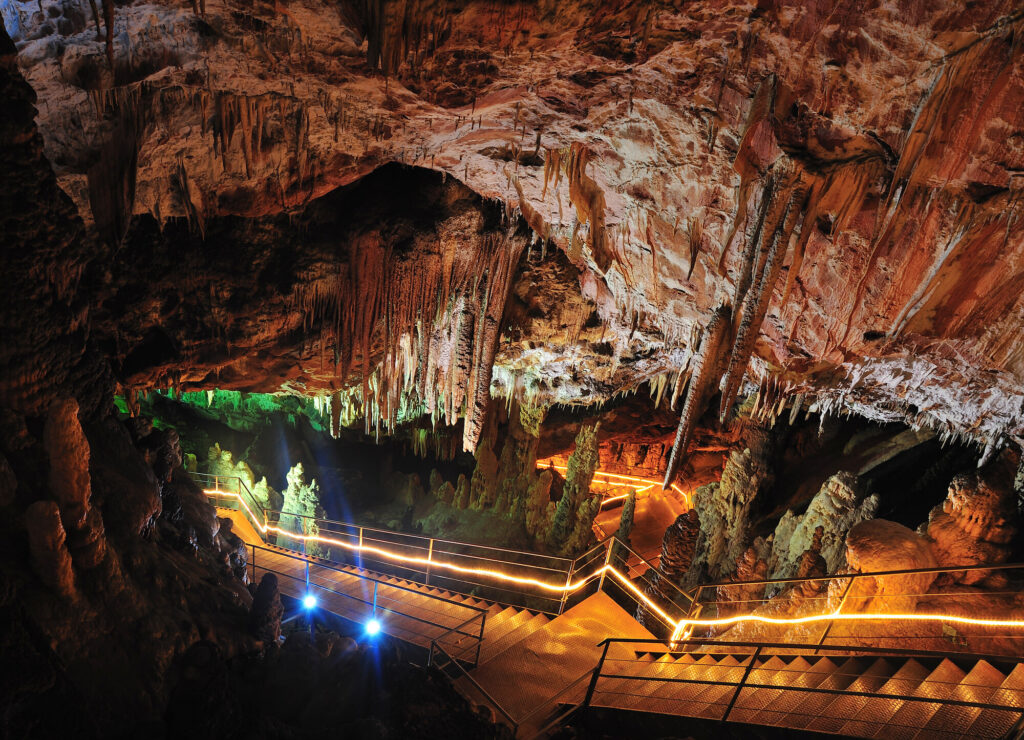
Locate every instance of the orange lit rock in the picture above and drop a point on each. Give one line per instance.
(877, 546)
(977, 522)
(50, 558)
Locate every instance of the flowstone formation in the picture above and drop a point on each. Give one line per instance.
(838, 506)
(725, 508)
(571, 525)
(299, 512)
(977, 523)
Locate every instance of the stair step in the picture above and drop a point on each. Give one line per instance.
(513, 637)
(838, 676)
(710, 700)
(978, 685)
(495, 622)
(995, 723)
(844, 708)
(769, 706)
(879, 711)
(913, 715)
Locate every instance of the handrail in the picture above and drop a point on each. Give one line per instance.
(744, 682)
(715, 644)
(876, 574)
(522, 564)
(480, 637)
(330, 566)
(547, 703)
(476, 685)
(668, 581)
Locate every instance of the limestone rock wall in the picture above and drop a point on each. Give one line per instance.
(838, 506)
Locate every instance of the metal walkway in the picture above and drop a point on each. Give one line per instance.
(873, 694)
(521, 633)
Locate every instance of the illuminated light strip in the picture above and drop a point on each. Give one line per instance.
(650, 483)
(680, 626)
(266, 527)
(837, 616)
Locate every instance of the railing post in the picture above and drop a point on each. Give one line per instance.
(480, 640)
(597, 675)
(839, 609)
(374, 615)
(743, 681)
(607, 561)
(430, 557)
(691, 611)
(568, 581)
(359, 552)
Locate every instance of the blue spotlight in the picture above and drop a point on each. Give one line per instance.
(309, 601)
(372, 627)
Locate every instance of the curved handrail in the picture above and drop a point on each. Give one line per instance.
(476, 684)
(320, 563)
(874, 574)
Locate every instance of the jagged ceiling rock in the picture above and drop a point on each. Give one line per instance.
(852, 173)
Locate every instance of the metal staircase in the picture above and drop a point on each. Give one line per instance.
(873, 693)
(521, 633)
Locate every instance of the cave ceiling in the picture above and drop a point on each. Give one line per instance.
(449, 201)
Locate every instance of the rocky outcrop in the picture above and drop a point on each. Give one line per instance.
(267, 611)
(734, 599)
(50, 558)
(69, 463)
(977, 522)
(125, 480)
(725, 508)
(571, 525)
(70, 484)
(300, 510)
(877, 546)
(678, 546)
(838, 506)
(233, 550)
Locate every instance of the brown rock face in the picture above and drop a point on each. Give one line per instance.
(846, 181)
(266, 613)
(69, 462)
(743, 599)
(679, 545)
(724, 507)
(50, 558)
(839, 505)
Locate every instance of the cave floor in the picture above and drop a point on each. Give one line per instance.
(654, 513)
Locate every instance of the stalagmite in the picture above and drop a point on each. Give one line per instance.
(46, 537)
(707, 371)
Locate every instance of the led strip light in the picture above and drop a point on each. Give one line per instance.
(637, 484)
(682, 627)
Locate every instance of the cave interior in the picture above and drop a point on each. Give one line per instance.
(511, 368)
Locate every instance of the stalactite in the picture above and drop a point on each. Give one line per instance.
(793, 190)
(108, 17)
(588, 199)
(694, 236)
(437, 318)
(707, 371)
(112, 179)
(96, 18)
